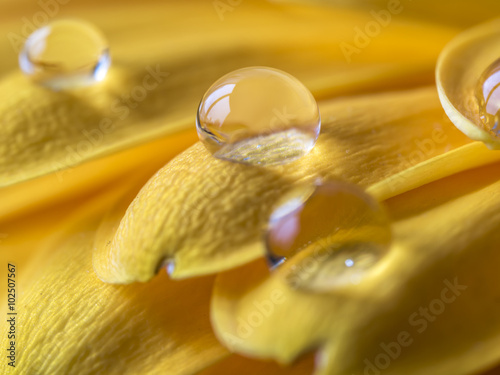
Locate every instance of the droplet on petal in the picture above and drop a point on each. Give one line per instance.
(65, 54)
(258, 116)
(468, 82)
(488, 97)
(336, 231)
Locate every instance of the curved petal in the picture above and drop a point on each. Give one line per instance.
(68, 321)
(203, 215)
(458, 83)
(164, 67)
(67, 185)
(428, 307)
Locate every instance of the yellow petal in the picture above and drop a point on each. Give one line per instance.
(443, 259)
(45, 131)
(458, 73)
(465, 157)
(204, 215)
(69, 321)
(65, 186)
(461, 13)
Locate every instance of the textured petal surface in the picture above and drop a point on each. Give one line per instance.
(71, 322)
(67, 185)
(152, 91)
(204, 215)
(429, 307)
(68, 321)
(84, 326)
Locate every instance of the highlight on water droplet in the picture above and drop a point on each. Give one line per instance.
(335, 232)
(65, 54)
(488, 98)
(258, 116)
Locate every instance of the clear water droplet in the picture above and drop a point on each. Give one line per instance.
(336, 230)
(488, 97)
(65, 54)
(259, 116)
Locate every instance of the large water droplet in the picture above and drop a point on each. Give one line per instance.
(488, 97)
(259, 116)
(336, 230)
(65, 54)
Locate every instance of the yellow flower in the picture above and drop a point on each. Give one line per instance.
(91, 214)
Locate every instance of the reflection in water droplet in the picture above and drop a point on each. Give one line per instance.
(349, 262)
(259, 116)
(170, 266)
(65, 54)
(488, 97)
(334, 266)
(336, 231)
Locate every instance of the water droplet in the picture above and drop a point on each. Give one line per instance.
(488, 97)
(65, 54)
(259, 116)
(336, 230)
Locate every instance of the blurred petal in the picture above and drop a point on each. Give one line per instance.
(69, 184)
(495, 371)
(203, 215)
(236, 364)
(461, 13)
(430, 307)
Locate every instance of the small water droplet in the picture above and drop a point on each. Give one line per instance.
(259, 116)
(488, 98)
(65, 54)
(336, 230)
